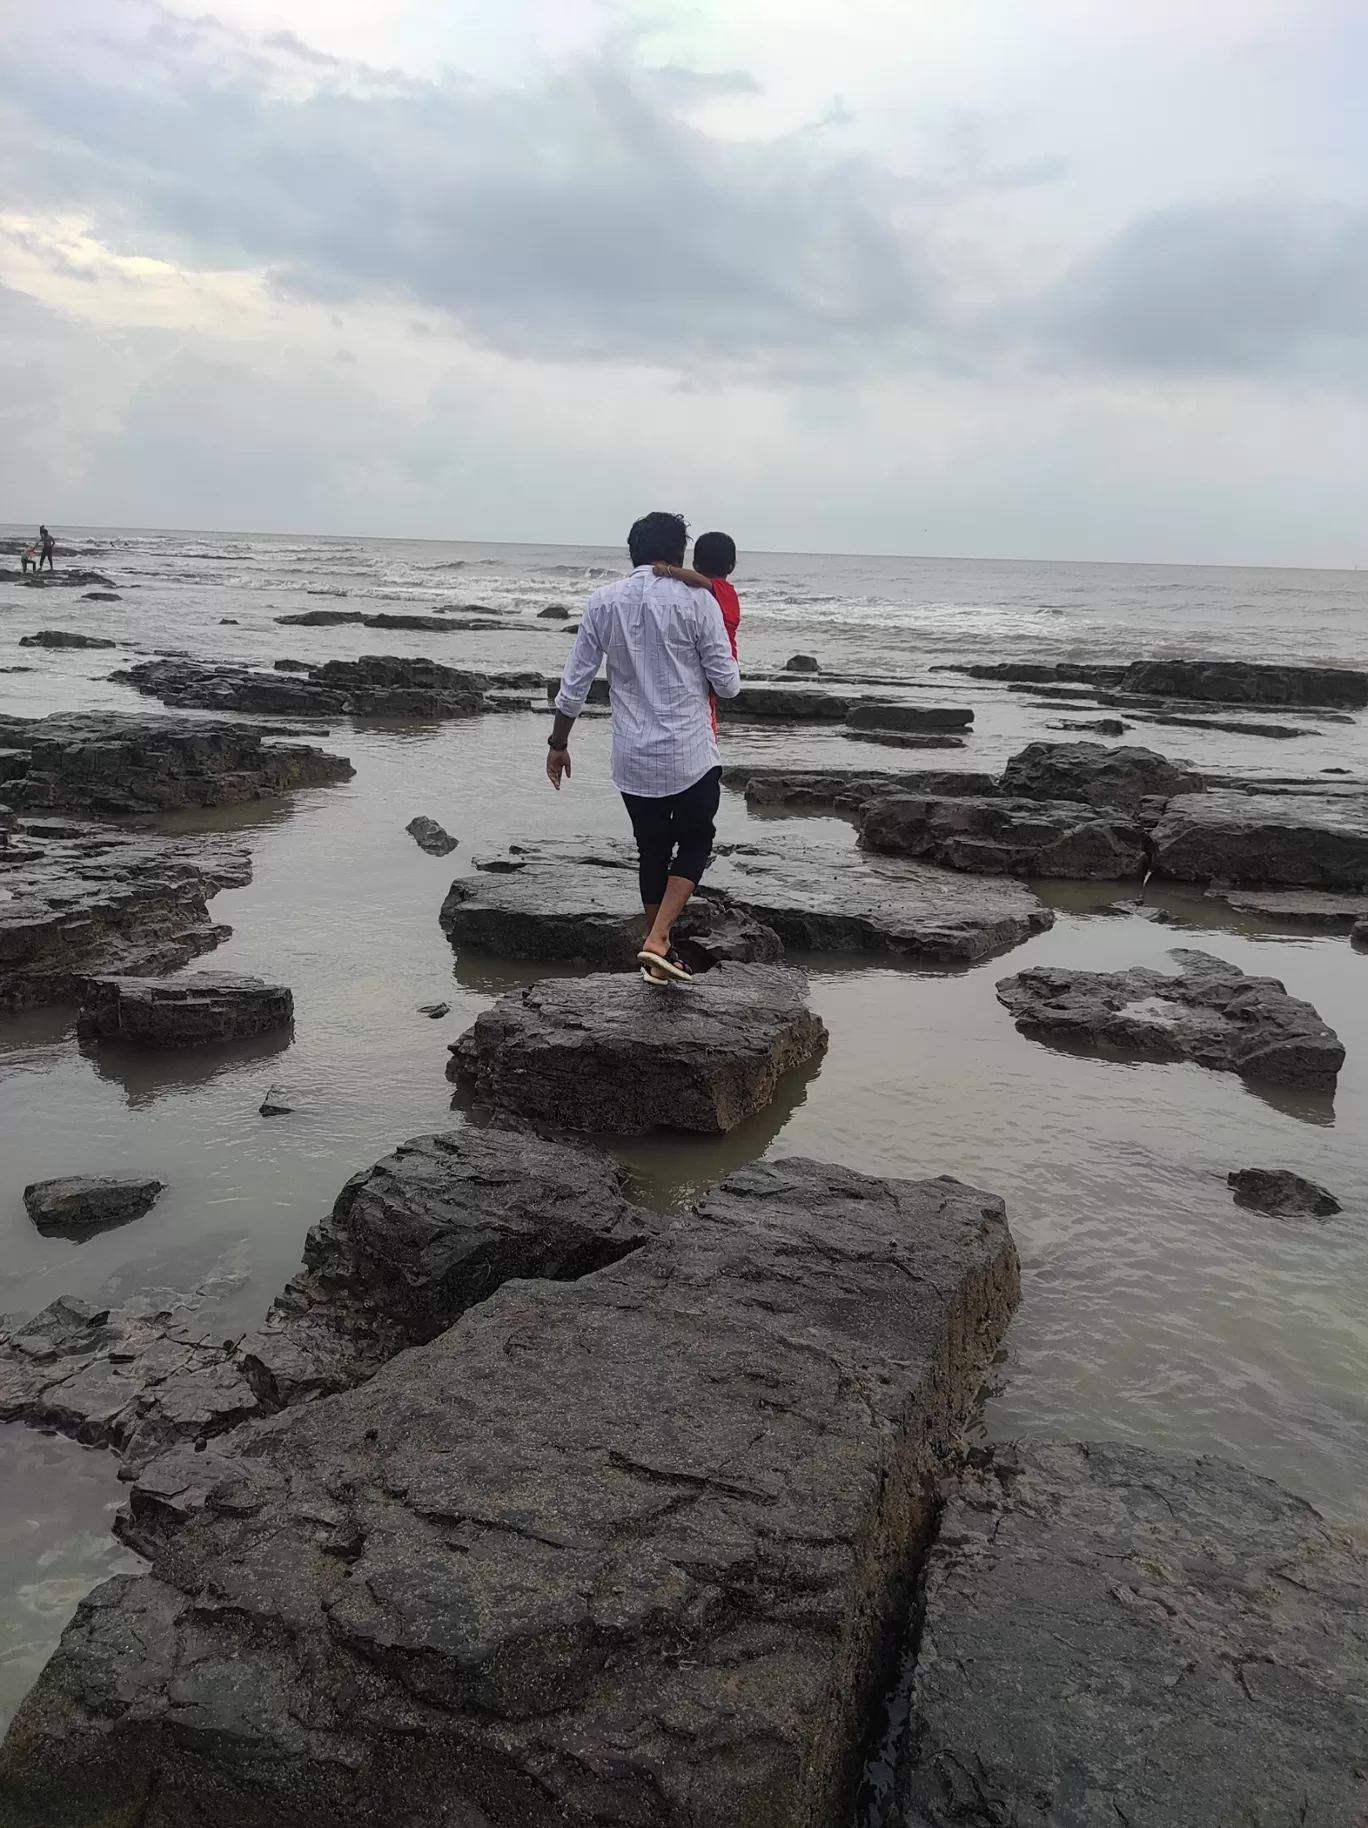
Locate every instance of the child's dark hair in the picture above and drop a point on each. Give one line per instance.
(714, 554)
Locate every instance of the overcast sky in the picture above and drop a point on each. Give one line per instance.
(1038, 278)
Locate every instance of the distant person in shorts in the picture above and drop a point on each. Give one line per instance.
(29, 560)
(46, 547)
(714, 560)
(667, 651)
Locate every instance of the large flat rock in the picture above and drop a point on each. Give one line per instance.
(1003, 837)
(786, 704)
(1218, 681)
(625, 1550)
(200, 1009)
(611, 1053)
(376, 685)
(1211, 1012)
(1101, 776)
(1313, 840)
(81, 898)
(845, 791)
(1115, 1636)
(757, 899)
(874, 714)
(106, 765)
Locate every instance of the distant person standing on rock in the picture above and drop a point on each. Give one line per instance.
(667, 651)
(46, 547)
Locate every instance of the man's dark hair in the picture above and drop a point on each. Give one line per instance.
(715, 555)
(658, 539)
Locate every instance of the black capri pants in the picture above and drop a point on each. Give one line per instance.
(674, 834)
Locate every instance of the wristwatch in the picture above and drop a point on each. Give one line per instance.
(551, 743)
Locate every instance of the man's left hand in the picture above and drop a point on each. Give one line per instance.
(557, 766)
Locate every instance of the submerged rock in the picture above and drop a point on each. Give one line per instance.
(786, 703)
(1298, 907)
(200, 1009)
(376, 685)
(613, 1054)
(82, 898)
(802, 663)
(871, 714)
(1093, 773)
(87, 1202)
(102, 596)
(847, 791)
(1006, 837)
(106, 765)
(429, 836)
(1211, 1013)
(1109, 1635)
(626, 1549)
(1319, 840)
(905, 739)
(62, 637)
(1282, 1194)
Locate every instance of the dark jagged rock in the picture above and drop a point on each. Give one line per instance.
(554, 612)
(1110, 1635)
(102, 596)
(833, 901)
(64, 579)
(63, 637)
(1233, 725)
(584, 906)
(870, 714)
(802, 663)
(1282, 1194)
(434, 1011)
(276, 1103)
(1211, 1013)
(110, 766)
(1102, 726)
(1248, 682)
(383, 685)
(321, 618)
(291, 666)
(80, 1203)
(786, 704)
(597, 694)
(1360, 933)
(905, 739)
(1320, 841)
(339, 618)
(1030, 672)
(84, 898)
(756, 901)
(628, 1549)
(376, 685)
(429, 836)
(1095, 774)
(200, 1009)
(1005, 837)
(771, 786)
(197, 685)
(610, 1053)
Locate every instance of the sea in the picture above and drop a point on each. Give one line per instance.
(1154, 1309)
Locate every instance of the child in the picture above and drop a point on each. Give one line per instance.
(714, 560)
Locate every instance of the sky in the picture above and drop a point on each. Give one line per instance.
(1001, 278)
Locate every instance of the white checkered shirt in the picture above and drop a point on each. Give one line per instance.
(665, 644)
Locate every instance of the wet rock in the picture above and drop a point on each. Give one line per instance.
(429, 836)
(801, 663)
(823, 900)
(554, 612)
(434, 1011)
(321, 618)
(63, 637)
(1097, 775)
(846, 792)
(1103, 726)
(785, 703)
(610, 1053)
(1282, 1194)
(201, 1009)
(102, 596)
(543, 906)
(1248, 682)
(82, 898)
(79, 1203)
(291, 666)
(277, 1103)
(1024, 672)
(596, 695)
(1298, 907)
(905, 739)
(1317, 840)
(1005, 837)
(1360, 933)
(376, 685)
(228, 622)
(1232, 725)
(624, 1549)
(109, 766)
(1211, 1013)
(62, 579)
(1109, 1635)
(869, 714)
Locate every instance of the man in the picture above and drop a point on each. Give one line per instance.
(47, 545)
(666, 646)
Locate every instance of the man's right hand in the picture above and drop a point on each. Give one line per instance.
(557, 766)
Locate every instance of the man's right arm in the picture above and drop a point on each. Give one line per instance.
(714, 647)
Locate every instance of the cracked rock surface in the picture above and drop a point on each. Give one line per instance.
(1211, 1012)
(1005, 837)
(610, 1053)
(627, 1549)
(1313, 840)
(1116, 1636)
(1121, 777)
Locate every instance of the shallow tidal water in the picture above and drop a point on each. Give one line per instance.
(1154, 1309)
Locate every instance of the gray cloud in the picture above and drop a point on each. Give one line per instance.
(1228, 288)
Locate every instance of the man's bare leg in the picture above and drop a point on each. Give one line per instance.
(677, 892)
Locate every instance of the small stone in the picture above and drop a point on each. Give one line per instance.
(101, 596)
(1282, 1194)
(276, 1103)
(85, 1202)
(435, 1011)
(802, 663)
(429, 836)
(228, 622)
(554, 612)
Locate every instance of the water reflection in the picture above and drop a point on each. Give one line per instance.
(145, 1074)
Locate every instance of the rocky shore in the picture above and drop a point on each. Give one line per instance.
(377, 685)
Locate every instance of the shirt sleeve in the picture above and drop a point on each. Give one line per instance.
(582, 666)
(714, 647)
